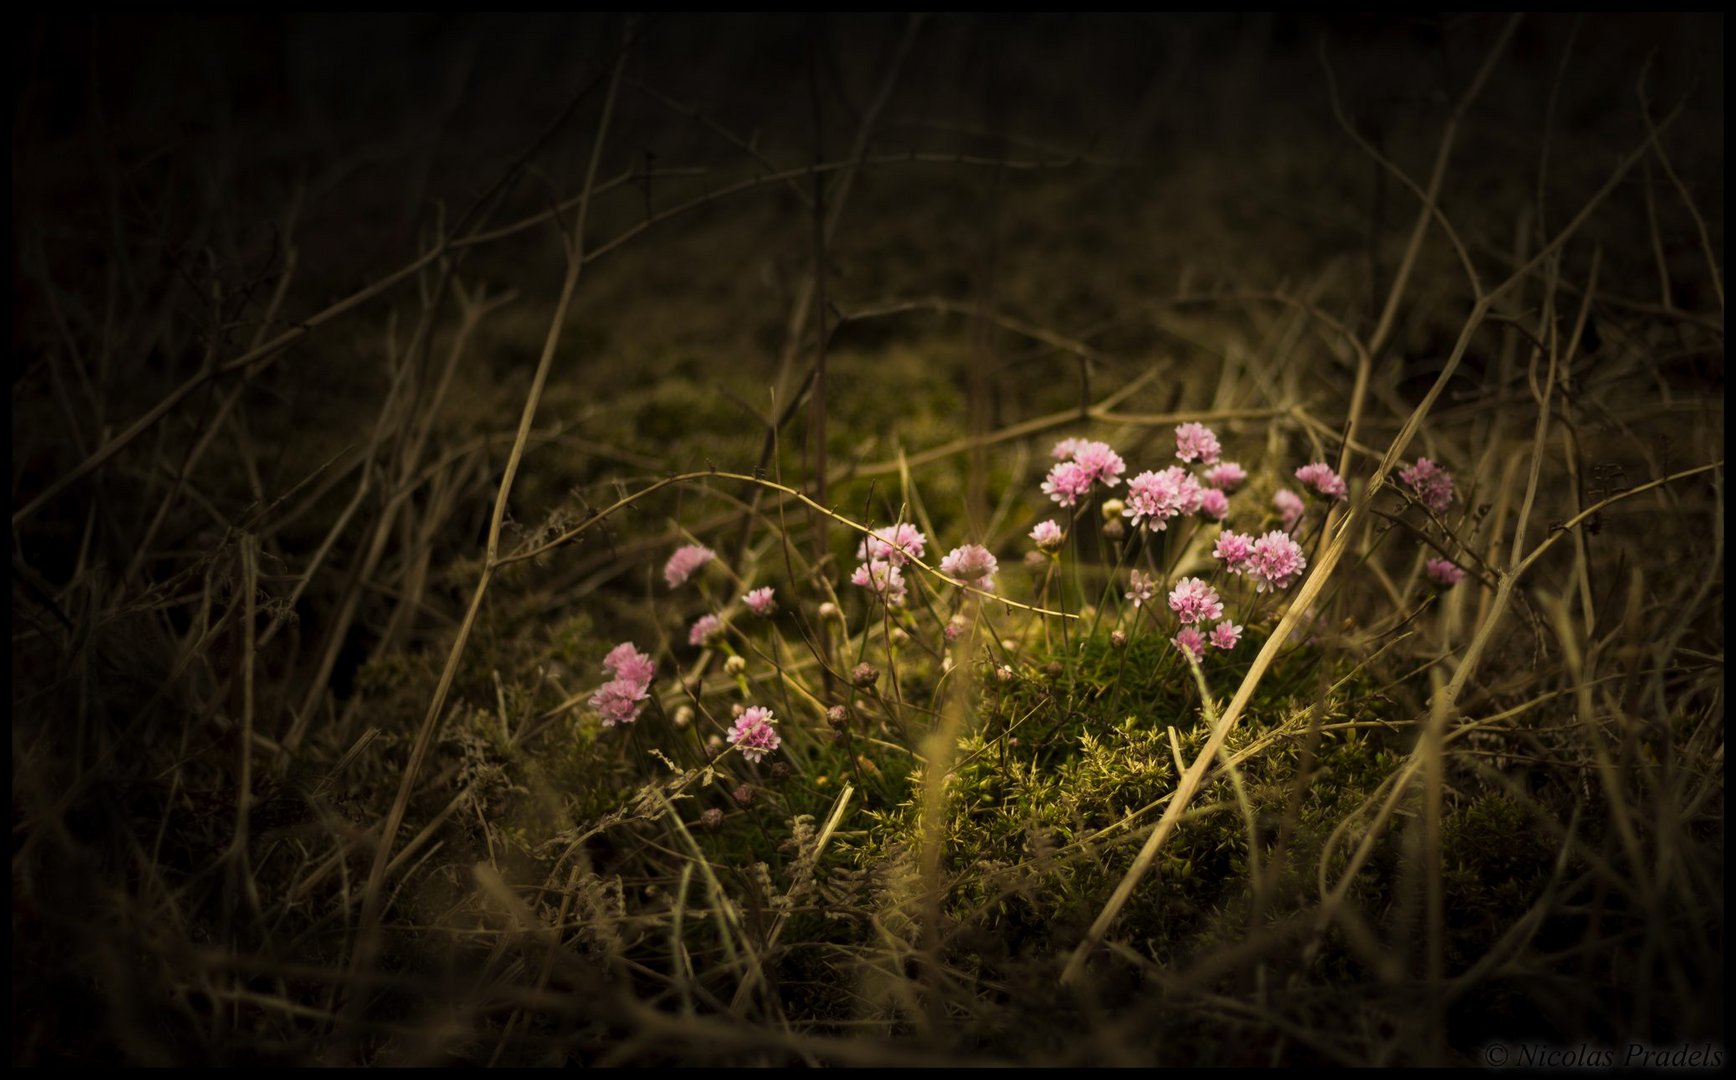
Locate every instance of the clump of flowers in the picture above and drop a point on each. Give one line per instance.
(704, 629)
(972, 564)
(896, 544)
(1048, 537)
(1194, 601)
(622, 698)
(1443, 572)
(754, 734)
(1234, 549)
(883, 578)
(1226, 476)
(1321, 477)
(1225, 635)
(1081, 463)
(1276, 562)
(1196, 442)
(1188, 640)
(1290, 508)
(1214, 504)
(684, 562)
(1155, 497)
(761, 601)
(1433, 484)
(1141, 587)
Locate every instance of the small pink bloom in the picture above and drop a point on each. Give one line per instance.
(1188, 640)
(1226, 477)
(704, 629)
(1225, 635)
(1066, 483)
(753, 732)
(619, 701)
(1214, 504)
(1196, 442)
(896, 544)
(883, 579)
(684, 562)
(761, 601)
(1155, 497)
(972, 564)
(1102, 464)
(1433, 484)
(1235, 550)
(1276, 562)
(1141, 588)
(1194, 601)
(1322, 479)
(1444, 573)
(625, 661)
(1066, 448)
(1048, 536)
(1290, 506)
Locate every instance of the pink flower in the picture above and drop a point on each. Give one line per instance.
(971, 564)
(1235, 550)
(1155, 497)
(1196, 442)
(753, 732)
(1066, 448)
(684, 562)
(1102, 464)
(1226, 477)
(1444, 573)
(1290, 506)
(1048, 536)
(625, 661)
(896, 544)
(883, 578)
(1322, 479)
(1141, 587)
(1188, 640)
(1276, 561)
(704, 629)
(1067, 482)
(760, 601)
(619, 701)
(1194, 601)
(1225, 635)
(1433, 484)
(1214, 504)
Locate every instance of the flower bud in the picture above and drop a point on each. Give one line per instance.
(828, 610)
(838, 716)
(1113, 529)
(1112, 509)
(742, 795)
(1118, 639)
(780, 770)
(865, 676)
(712, 819)
(1054, 670)
(735, 665)
(1005, 673)
(683, 716)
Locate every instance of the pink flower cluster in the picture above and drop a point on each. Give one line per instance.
(1141, 588)
(1443, 572)
(622, 698)
(1155, 497)
(1226, 477)
(1081, 463)
(1196, 442)
(761, 601)
(1224, 636)
(704, 629)
(1321, 477)
(1194, 601)
(1290, 508)
(896, 544)
(754, 734)
(1273, 561)
(1048, 537)
(684, 562)
(882, 553)
(883, 578)
(972, 564)
(1433, 484)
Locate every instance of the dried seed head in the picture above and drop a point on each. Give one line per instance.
(712, 819)
(743, 795)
